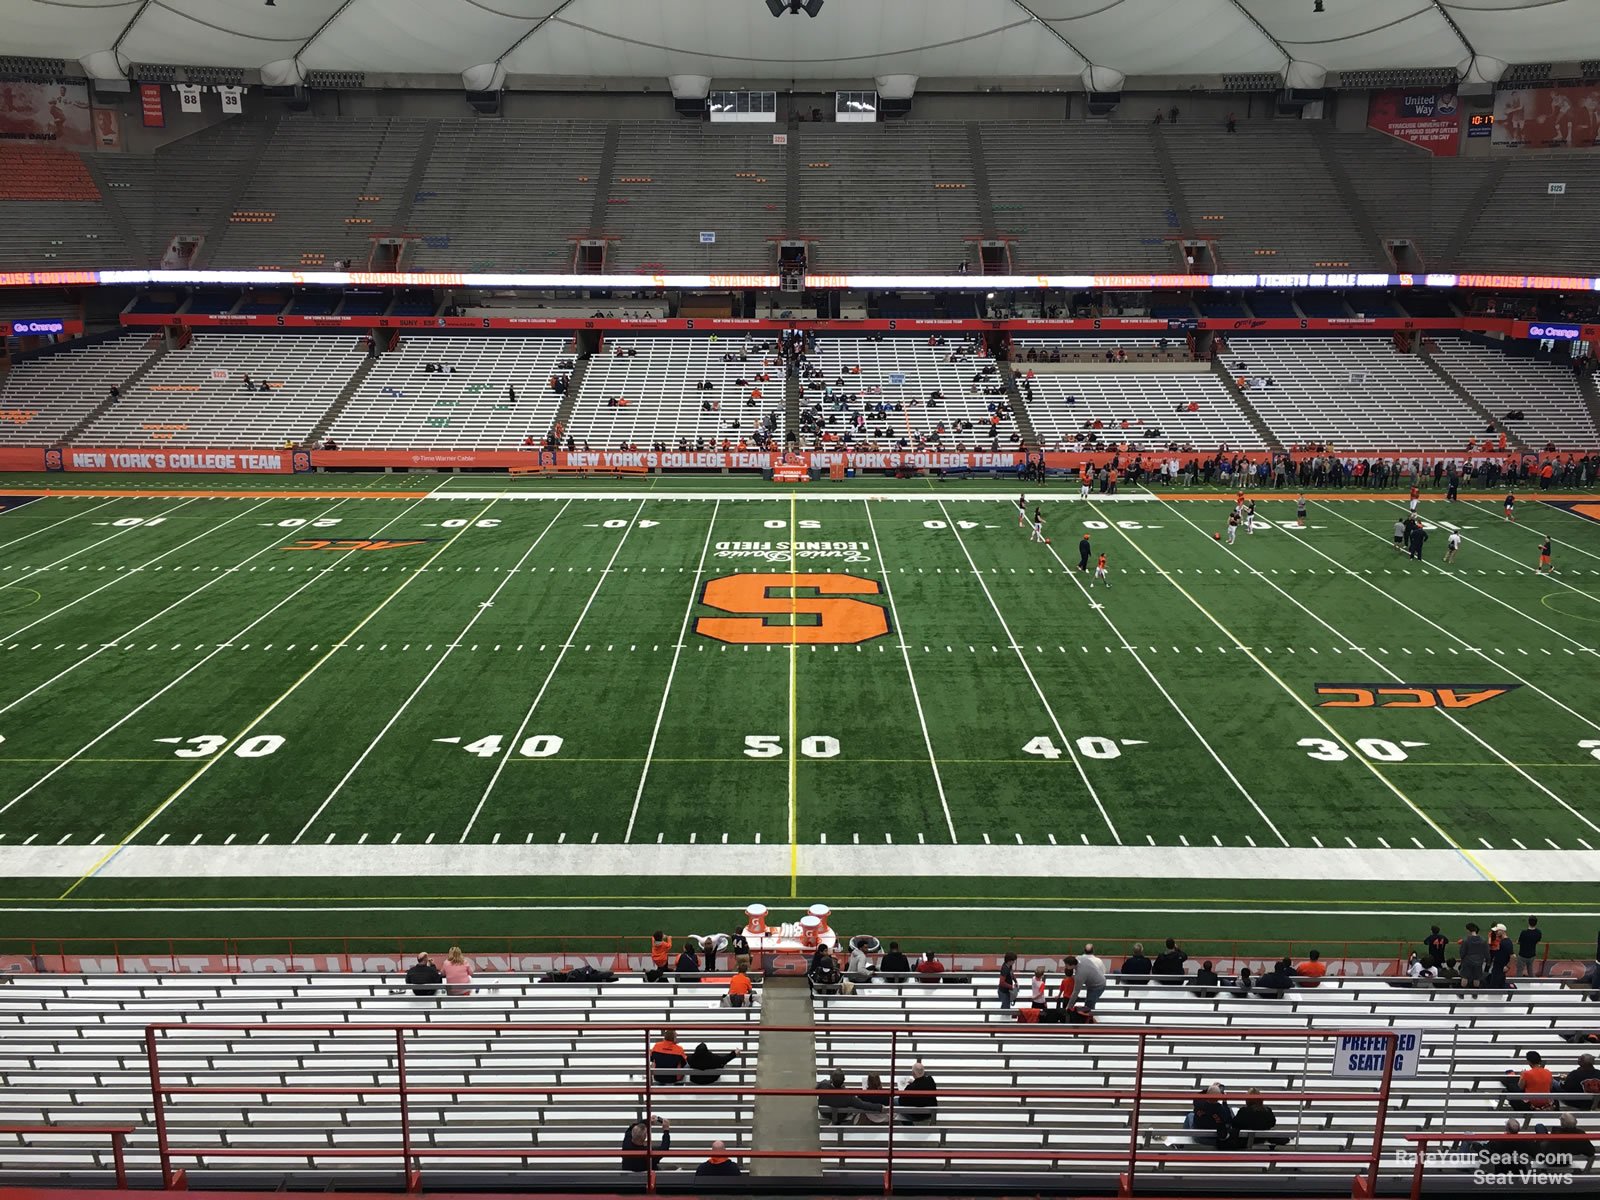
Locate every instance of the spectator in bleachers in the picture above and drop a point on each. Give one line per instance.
(705, 1065)
(930, 969)
(1211, 1119)
(739, 988)
(1172, 115)
(1435, 944)
(248, 386)
(1206, 981)
(1136, 967)
(835, 1104)
(1006, 985)
(825, 977)
(1563, 1149)
(687, 968)
(1231, 124)
(1474, 956)
(1499, 956)
(1277, 981)
(1535, 1081)
(1312, 970)
(423, 976)
(719, 1163)
(1168, 967)
(1090, 974)
(919, 1101)
(668, 1059)
(636, 1146)
(859, 969)
(660, 956)
(1582, 1083)
(896, 968)
(457, 973)
(1245, 983)
(1251, 1123)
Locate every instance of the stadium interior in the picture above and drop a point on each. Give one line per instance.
(889, 274)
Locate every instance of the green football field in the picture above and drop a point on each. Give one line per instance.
(383, 706)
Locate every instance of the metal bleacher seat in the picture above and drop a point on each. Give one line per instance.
(72, 1051)
(46, 396)
(400, 405)
(1351, 393)
(658, 380)
(180, 402)
(1523, 227)
(907, 371)
(1545, 392)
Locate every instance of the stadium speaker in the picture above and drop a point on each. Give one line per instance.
(487, 103)
(1103, 104)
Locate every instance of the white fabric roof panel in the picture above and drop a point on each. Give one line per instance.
(1037, 40)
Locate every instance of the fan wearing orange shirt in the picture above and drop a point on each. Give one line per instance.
(1312, 970)
(1536, 1081)
(660, 956)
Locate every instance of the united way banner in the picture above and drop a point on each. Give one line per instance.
(53, 113)
(1547, 118)
(1429, 118)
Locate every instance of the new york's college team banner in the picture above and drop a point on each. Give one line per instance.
(173, 459)
(1430, 118)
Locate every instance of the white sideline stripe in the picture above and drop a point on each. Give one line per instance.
(916, 498)
(54, 524)
(1394, 675)
(1072, 752)
(566, 644)
(677, 650)
(450, 649)
(1498, 665)
(834, 860)
(1077, 578)
(122, 843)
(111, 643)
(83, 549)
(1355, 756)
(905, 653)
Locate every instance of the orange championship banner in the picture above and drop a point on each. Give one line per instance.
(170, 461)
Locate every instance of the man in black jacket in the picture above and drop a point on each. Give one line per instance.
(1582, 1084)
(1136, 967)
(1168, 967)
(895, 968)
(719, 1163)
(705, 1065)
(423, 976)
(636, 1154)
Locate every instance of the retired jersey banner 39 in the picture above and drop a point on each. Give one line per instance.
(1427, 118)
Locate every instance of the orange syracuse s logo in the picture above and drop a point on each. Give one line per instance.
(802, 609)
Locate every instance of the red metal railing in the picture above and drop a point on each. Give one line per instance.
(350, 954)
(404, 1091)
(117, 1133)
(1528, 1141)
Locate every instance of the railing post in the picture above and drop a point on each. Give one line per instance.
(894, 1074)
(1383, 1111)
(649, 1117)
(413, 1177)
(119, 1160)
(1133, 1117)
(1416, 1171)
(170, 1179)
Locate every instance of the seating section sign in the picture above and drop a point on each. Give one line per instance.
(1430, 118)
(1362, 1056)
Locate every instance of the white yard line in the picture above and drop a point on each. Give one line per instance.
(1076, 577)
(54, 524)
(1497, 664)
(1012, 642)
(126, 529)
(129, 573)
(954, 493)
(916, 696)
(1351, 645)
(233, 741)
(511, 747)
(316, 862)
(449, 649)
(1355, 754)
(672, 670)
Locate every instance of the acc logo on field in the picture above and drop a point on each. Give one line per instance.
(354, 544)
(1409, 695)
(830, 616)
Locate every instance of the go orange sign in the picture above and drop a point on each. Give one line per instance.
(799, 609)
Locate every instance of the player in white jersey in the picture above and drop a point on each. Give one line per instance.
(1038, 524)
(1022, 511)
(1083, 482)
(1452, 545)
